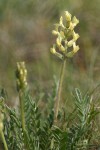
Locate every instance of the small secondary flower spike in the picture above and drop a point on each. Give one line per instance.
(21, 75)
(66, 37)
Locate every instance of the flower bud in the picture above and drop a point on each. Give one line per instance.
(71, 26)
(75, 48)
(58, 41)
(75, 36)
(68, 16)
(53, 51)
(70, 43)
(62, 48)
(61, 21)
(62, 34)
(75, 21)
(54, 32)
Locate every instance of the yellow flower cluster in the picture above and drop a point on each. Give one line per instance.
(21, 75)
(66, 37)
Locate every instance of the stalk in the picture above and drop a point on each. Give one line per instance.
(22, 109)
(3, 140)
(58, 97)
(23, 119)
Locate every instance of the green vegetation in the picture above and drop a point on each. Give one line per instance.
(26, 128)
(30, 126)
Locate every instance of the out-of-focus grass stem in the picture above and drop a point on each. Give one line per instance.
(3, 140)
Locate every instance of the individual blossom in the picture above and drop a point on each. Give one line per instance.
(75, 21)
(68, 16)
(75, 47)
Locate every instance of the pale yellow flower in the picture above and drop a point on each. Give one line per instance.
(75, 36)
(75, 48)
(68, 16)
(75, 21)
(70, 43)
(61, 21)
(58, 41)
(71, 26)
(53, 51)
(55, 32)
(62, 48)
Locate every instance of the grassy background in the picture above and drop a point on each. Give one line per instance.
(25, 35)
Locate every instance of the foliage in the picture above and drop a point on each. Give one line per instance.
(25, 34)
(75, 133)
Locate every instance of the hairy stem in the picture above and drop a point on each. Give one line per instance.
(22, 109)
(3, 140)
(23, 119)
(58, 97)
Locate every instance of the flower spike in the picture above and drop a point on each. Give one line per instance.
(64, 30)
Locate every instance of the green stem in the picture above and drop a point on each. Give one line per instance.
(58, 97)
(3, 140)
(22, 109)
(21, 98)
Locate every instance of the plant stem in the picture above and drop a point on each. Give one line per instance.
(3, 140)
(21, 98)
(58, 97)
(22, 109)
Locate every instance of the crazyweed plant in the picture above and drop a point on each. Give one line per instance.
(65, 47)
(23, 128)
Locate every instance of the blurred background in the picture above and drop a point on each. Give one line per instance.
(25, 35)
